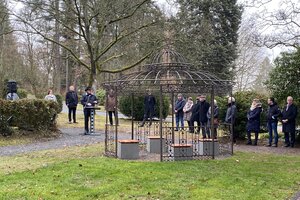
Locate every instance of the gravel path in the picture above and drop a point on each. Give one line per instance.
(263, 149)
(69, 137)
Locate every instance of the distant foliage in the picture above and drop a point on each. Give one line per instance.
(125, 106)
(59, 99)
(101, 94)
(22, 93)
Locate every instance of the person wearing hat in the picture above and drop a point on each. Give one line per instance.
(179, 111)
(203, 109)
(89, 100)
(253, 124)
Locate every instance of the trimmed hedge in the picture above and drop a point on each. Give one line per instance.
(125, 107)
(30, 114)
(101, 94)
(59, 99)
(22, 93)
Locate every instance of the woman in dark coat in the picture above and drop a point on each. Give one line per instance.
(253, 124)
(289, 114)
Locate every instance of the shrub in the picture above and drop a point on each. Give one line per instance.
(125, 106)
(5, 130)
(30, 113)
(101, 96)
(22, 93)
(59, 99)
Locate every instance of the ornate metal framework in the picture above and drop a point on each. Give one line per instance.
(168, 73)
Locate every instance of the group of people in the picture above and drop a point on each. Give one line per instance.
(287, 116)
(88, 100)
(201, 112)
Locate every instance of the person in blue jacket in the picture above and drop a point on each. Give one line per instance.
(179, 111)
(253, 124)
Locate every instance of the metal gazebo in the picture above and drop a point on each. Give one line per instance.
(170, 74)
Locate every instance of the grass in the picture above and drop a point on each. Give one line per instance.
(82, 173)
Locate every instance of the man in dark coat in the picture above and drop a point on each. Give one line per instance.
(71, 102)
(272, 117)
(179, 111)
(195, 116)
(149, 104)
(203, 109)
(89, 100)
(253, 124)
(289, 114)
(231, 116)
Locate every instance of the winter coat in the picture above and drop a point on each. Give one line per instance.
(110, 103)
(231, 113)
(195, 112)
(89, 101)
(71, 99)
(273, 113)
(50, 97)
(179, 107)
(187, 109)
(290, 115)
(203, 109)
(216, 116)
(149, 103)
(253, 124)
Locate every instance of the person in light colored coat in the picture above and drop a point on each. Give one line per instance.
(187, 110)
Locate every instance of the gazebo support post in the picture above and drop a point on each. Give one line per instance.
(106, 121)
(173, 124)
(161, 121)
(231, 125)
(212, 130)
(116, 122)
(132, 113)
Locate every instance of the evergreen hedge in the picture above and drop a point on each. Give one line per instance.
(30, 114)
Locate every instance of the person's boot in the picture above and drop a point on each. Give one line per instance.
(274, 145)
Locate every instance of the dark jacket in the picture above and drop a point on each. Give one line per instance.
(290, 115)
(203, 109)
(195, 112)
(231, 113)
(253, 116)
(179, 107)
(71, 99)
(149, 103)
(89, 99)
(273, 113)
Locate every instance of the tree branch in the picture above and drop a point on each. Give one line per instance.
(126, 67)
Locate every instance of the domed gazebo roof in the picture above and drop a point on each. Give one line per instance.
(170, 70)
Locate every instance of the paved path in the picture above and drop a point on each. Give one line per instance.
(69, 137)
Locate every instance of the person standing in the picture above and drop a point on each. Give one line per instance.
(203, 109)
(179, 111)
(50, 96)
(71, 102)
(215, 120)
(289, 114)
(187, 110)
(195, 115)
(149, 105)
(110, 105)
(272, 117)
(253, 124)
(89, 100)
(231, 115)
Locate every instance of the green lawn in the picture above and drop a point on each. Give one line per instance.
(82, 173)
